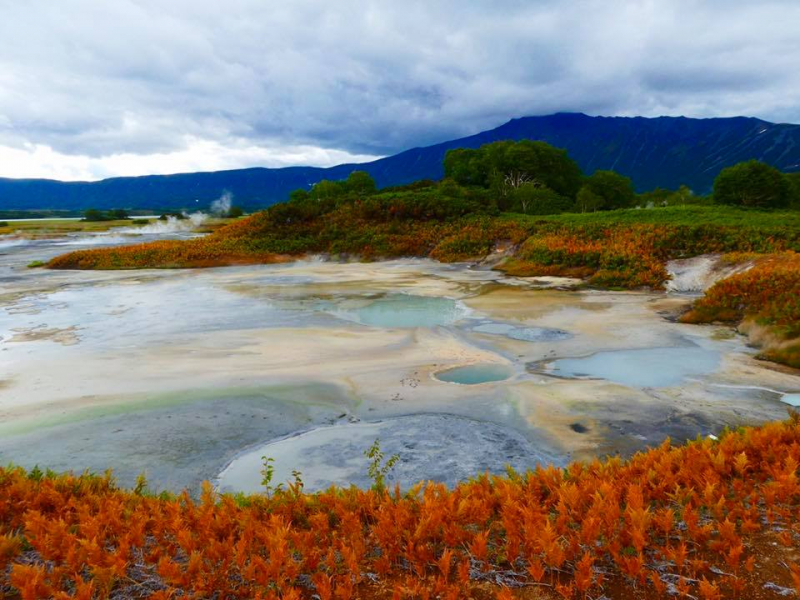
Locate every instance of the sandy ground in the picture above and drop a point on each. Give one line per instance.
(178, 373)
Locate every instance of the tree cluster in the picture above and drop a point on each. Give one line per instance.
(755, 184)
(533, 178)
(536, 178)
(117, 214)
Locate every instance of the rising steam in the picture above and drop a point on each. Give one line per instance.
(222, 205)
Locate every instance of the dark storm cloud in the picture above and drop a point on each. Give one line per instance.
(174, 85)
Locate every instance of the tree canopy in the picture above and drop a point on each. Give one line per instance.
(754, 184)
(610, 191)
(505, 166)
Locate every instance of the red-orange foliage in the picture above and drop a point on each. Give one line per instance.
(769, 295)
(671, 515)
(625, 254)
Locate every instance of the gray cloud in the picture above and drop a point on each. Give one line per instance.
(95, 79)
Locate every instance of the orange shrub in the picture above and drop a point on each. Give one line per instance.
(693, 517)
(767, 294)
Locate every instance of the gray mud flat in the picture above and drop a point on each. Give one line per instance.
(442, 448)
(175, 446)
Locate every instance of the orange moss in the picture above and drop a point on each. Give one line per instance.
(694, 517)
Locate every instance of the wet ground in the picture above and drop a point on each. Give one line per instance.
(196, 374)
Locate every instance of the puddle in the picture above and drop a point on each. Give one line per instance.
(475, 374)
(525, 334)
(442, 448)
(650, 367)
(791, 399)
(406, 310)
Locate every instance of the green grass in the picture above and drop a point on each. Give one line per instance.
(724, 216)
(53, 226)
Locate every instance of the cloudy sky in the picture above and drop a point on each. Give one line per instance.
(98, 88)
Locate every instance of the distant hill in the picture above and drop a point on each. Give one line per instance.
(658, 152)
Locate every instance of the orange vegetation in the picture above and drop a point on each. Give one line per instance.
(768, 295)
(623, 257)
(164, 254)
(626, 255)
(631, 255)
(708, 520)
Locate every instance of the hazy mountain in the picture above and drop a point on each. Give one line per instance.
(659, 152)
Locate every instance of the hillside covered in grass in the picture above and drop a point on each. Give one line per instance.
(709, 520)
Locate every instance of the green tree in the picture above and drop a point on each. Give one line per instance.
(299, 195)
(234, 212)
(92, 214)
(588, 201)
(682, 196)
(466, 166)
(119, 214)
(752, 183)
(615, 190)
(361, 183)
(505, 166)
(327, 189)
(536, 200)
(664, 197)
(794, 190)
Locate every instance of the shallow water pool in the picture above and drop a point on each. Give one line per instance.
(406, 310)
(791, 399)
(475, 374)
(649, 367)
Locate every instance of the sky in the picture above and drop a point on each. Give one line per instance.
(99, 88)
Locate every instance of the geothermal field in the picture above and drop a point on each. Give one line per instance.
(191, 375)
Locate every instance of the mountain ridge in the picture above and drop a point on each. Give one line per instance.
(653, 151)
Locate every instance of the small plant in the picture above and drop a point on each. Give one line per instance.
(378, 469)
(267, 474)
(35, 264)
(296, 487)
(141, 485)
